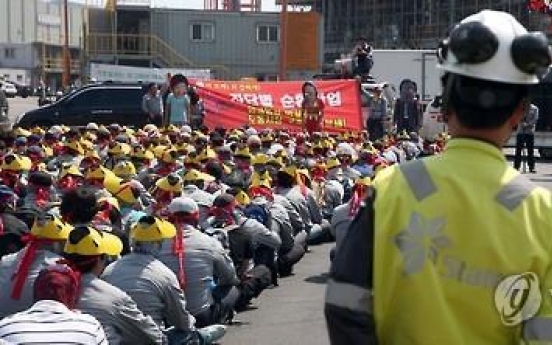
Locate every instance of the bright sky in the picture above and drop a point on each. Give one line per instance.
(268, 5)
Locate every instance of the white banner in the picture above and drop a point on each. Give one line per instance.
(127, 74)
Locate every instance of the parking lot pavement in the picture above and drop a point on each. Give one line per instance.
(20, 105)
(291, 314)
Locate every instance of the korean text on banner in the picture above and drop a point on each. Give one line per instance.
(278, 104)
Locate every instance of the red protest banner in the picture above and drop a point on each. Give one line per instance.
(232, 104)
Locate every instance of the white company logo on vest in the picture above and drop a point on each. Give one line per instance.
(518, 298)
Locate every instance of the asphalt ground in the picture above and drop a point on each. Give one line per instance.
(292, 313)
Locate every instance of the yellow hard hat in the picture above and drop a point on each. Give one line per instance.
(170, 183)
(267, 137)
(126, 193)
(184, 148)
(243, 153)
(333, 163)
(90, 136)
(195, 175)
(75, 146)
(260, 159)
(88, 241)
(364, 181)
(48, 151)
(124, 169)
(281, 154)
(70, 170)
(92, 154)
(290, 170)
(169, 156)
(304, 172)
(50, 227)
(158, 151)
(278, 162)
(171, 129)
(86, 145)
(242, 198)
(38, 130)
(27, 163)
(110, 181)
(152, 229)
(14, 162)
(191, 159)
(165, 140)
(207, 154)
(118, 149)
(95, 174)
(141, 153)
(263, 179)
(21, 132)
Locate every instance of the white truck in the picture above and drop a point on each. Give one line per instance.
(393, 66)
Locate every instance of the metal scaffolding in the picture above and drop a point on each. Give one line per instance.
(406, 24)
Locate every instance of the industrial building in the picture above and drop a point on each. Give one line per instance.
(404, 24)
(31, 39)
(232, 38)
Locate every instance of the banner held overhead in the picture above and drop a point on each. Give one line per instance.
(232, 104)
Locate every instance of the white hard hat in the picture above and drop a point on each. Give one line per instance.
(183, 204)
(56, 130)
(186, 129)
(494, 46)
(251, 131)
(254, 139)
(345, 149)
(92, 126)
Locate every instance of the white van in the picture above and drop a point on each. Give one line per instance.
(433, 123)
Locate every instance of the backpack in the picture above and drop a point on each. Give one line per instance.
(258, 212)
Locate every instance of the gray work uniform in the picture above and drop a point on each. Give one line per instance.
(340, 224)
(8, 266)
(259, 233)
(119, 315)
(294, 216)
(333, 196)
(205, 261)
(154, 288)
(281, 225)
(152, 104)
(299, 202)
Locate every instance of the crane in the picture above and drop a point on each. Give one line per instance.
(233, 5)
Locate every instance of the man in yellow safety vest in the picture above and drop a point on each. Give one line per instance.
(456, 248)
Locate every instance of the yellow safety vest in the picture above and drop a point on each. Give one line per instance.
(448, 230)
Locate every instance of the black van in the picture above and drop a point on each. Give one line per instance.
(100, 103)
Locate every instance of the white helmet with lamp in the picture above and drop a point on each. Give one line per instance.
(494, 46)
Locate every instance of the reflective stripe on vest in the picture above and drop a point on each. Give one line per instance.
(349, 296)
(514, 192)
(538, 329)
(418, 178)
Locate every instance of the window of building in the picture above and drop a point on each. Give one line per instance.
(268, 33)
(9, 53)
(202, 32)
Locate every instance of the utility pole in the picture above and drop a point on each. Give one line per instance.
(66, 75)
(283, 40)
